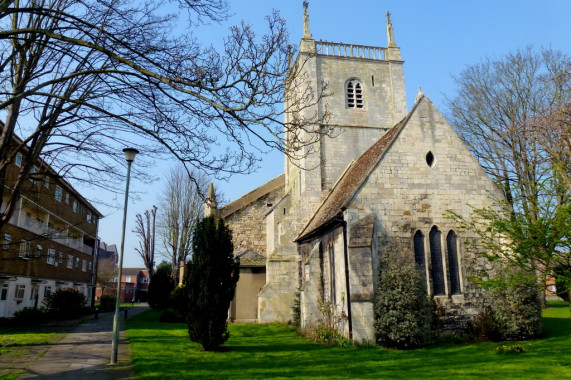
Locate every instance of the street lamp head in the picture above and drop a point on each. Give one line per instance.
(130, 154)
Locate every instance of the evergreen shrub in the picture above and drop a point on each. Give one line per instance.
(160, 289)
(210, 279)
(178, 300)
(66, 304)
(516, 304)
(403, 310)
(31, 316)
(107, 303)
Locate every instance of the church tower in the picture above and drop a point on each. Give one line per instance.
(360, 94)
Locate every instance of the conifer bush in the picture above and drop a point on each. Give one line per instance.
(160, 288)
(403, 310)
(107, 303)
(66, 303)
(210, 278)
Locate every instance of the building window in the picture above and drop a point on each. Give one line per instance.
(144, 280)
(453, 268)
(24, 249)
(114, 279)
(75, 206)
(332, 274)
(419, 257)
(47, 291)
(77, 260)
(67, 198)
(437, 266)
(60, 258)
(39, 250)
(58, 193)
(89, 217)
(20, 290)
(34, 175)
(84, 265)
(19, 160)
(7, 241)
(128, 279)
(34, 292)
(430, 159)
(354, 94)
(47, 182)
(51, 256)
(70, 261)
(90, 265)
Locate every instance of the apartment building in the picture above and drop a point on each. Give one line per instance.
(50, 241)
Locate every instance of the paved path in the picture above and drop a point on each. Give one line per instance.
(85, 353)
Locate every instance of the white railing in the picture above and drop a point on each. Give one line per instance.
(350, 50)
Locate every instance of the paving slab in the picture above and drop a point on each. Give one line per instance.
(85, 353)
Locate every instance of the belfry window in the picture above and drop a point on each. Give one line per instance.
(354, 94)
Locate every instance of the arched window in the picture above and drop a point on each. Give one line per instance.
(354, 93)
(332, 294)
(437, 267)
(453, 269)
(419, 258)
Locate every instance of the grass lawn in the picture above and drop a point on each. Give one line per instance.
(20, 346)
(272, 351)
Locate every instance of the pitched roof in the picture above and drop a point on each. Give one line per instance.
(133, 271)
(353, 178)
(253, 196)
(251, 258)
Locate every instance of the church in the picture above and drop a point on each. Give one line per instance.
(382, 183)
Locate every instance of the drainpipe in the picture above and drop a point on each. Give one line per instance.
(345, 248)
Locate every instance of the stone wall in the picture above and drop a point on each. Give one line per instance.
(248, 223)
(407, 194)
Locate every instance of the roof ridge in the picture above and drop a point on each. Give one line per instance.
(382, 145)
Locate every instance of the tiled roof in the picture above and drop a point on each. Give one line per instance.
(132, 271)
(250, 258)
(352, 179)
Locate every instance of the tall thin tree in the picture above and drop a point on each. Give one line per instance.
(181, 206)
(145, 230)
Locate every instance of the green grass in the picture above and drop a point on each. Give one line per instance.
(13, 339)
(275, 351)
(22, 345)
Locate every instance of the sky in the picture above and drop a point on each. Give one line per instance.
(438, 39)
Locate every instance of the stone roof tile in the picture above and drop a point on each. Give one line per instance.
(352, 179)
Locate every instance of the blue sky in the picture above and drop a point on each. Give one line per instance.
(437, 38)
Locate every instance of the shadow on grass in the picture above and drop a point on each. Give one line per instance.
(163, 351)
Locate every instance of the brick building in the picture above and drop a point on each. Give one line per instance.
(50, 241)
(134, 286)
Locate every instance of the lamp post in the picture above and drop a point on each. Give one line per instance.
(130, 154)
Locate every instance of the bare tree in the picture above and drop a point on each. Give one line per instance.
(181, 206)
(106, 271)
(80, 80)
(513, 114)
(145, 229)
